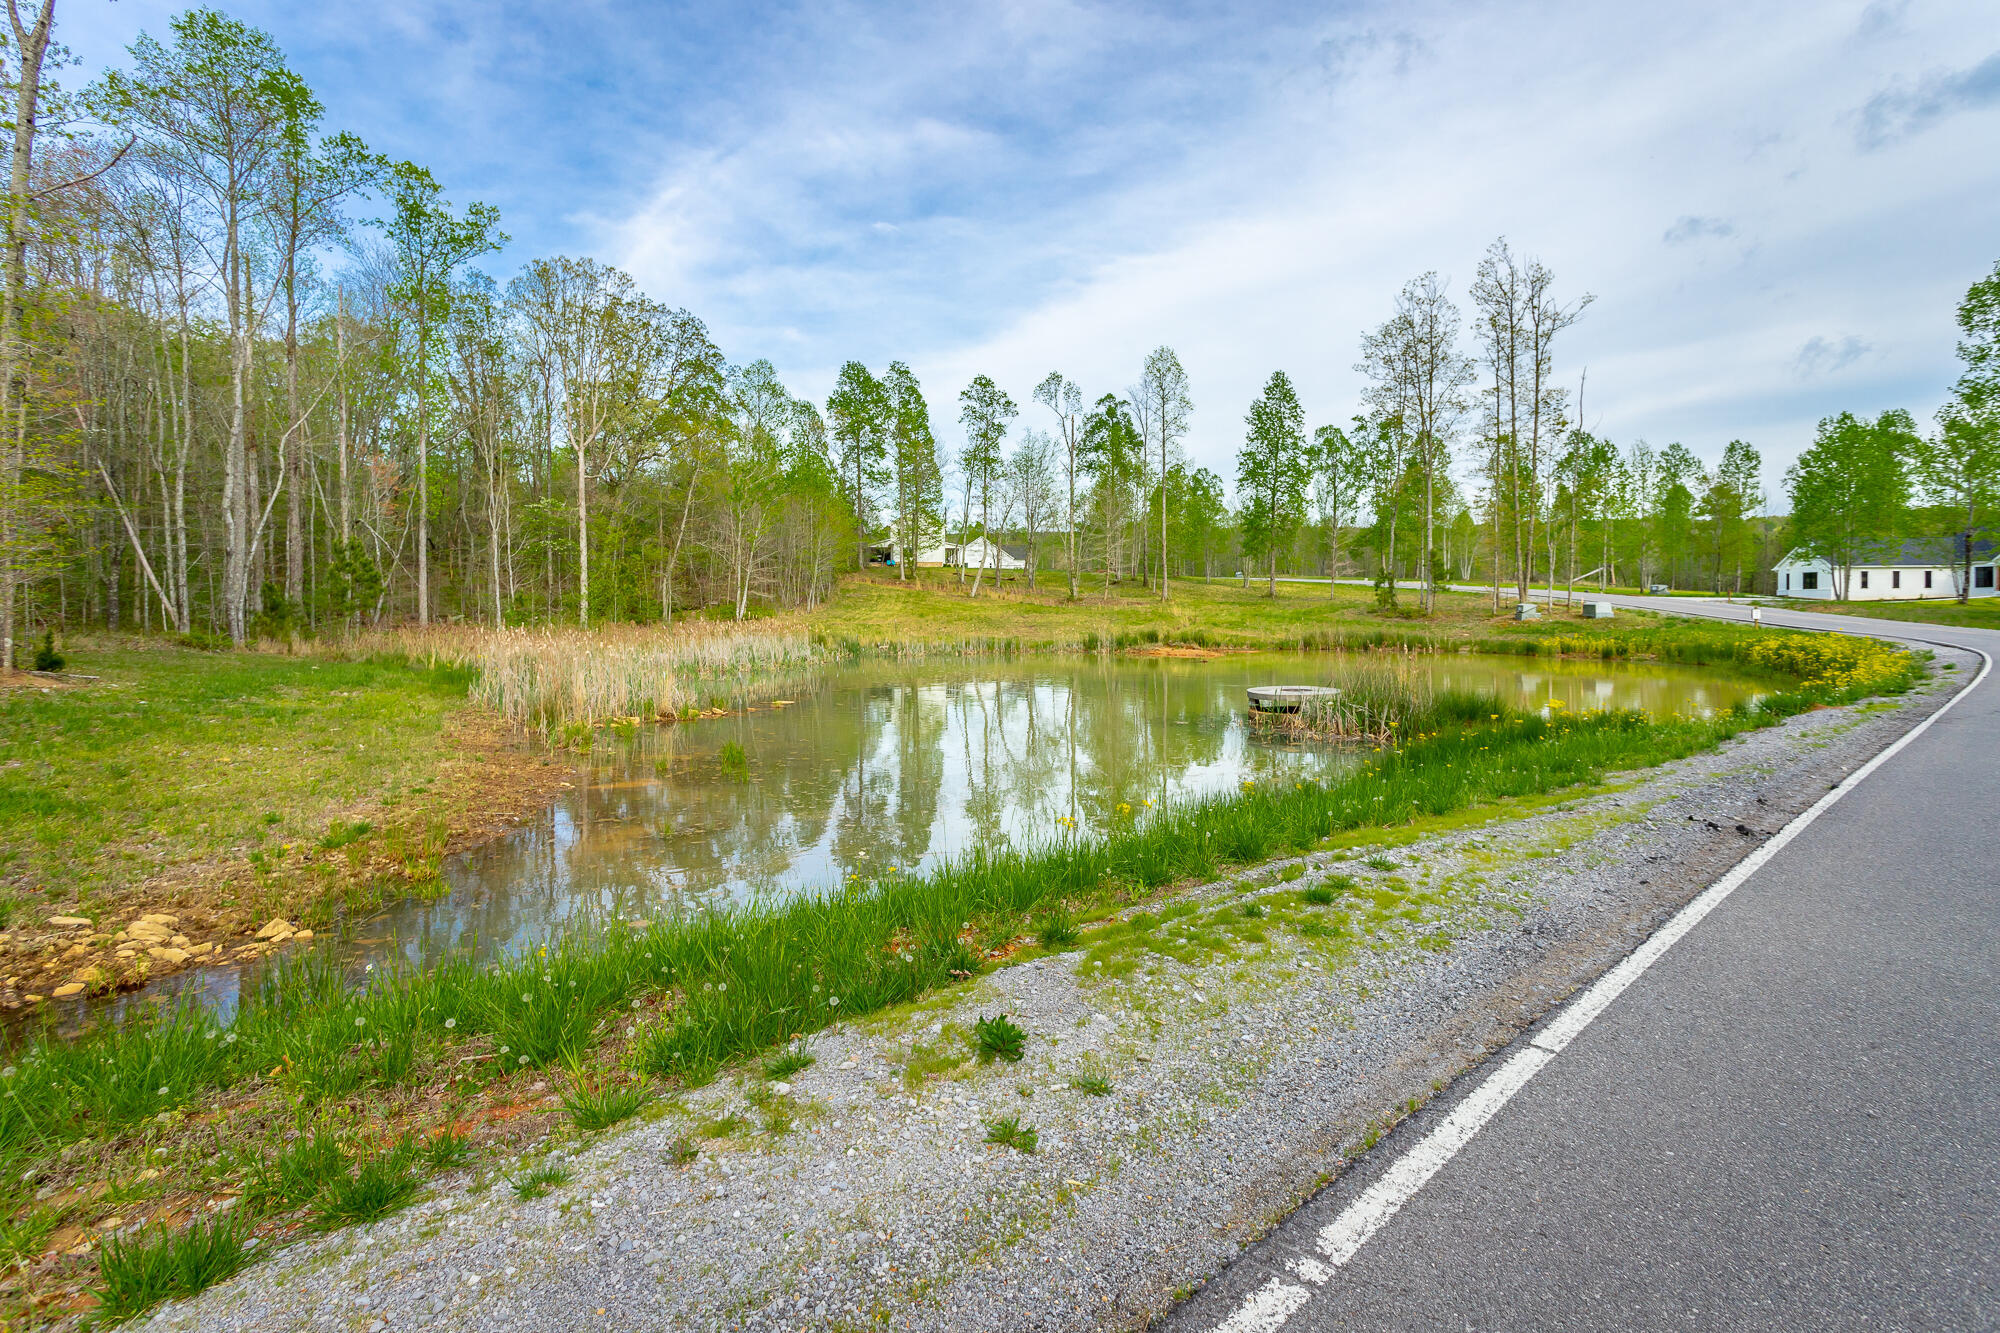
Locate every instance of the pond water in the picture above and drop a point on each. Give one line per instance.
(885, 765)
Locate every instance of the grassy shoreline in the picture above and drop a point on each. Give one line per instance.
(371, 1090)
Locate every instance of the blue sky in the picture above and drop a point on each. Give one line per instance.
(1776, 205)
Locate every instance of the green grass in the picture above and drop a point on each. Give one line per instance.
(1055, 929)
(599, 1106)
(1008, 1132)
(135, 1275)
(538, 1181)
(174, 758)
(379, 1185)
(1976, 613)
(1092, 1085)
(792, 1060)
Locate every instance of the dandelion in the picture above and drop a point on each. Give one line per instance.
(227, 1040)
(525, 999)
(451, 1023)
(163, 1092)
(524, 1059)
(361, 1022)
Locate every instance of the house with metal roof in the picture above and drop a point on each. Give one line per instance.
(1911, 569)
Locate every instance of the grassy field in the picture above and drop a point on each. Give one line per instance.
(228, 788)
(877, 610)
(1982, 613)
(318, 1104)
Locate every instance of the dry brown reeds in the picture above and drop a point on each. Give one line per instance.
(551, 678)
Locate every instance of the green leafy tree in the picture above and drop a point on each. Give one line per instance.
(1112, 453)
(984, 409)
(1204, 514)
(1272, 470)
(1678, 477)
(919, 481)
(1730, 503)
(1959, 468)
(857, 414)
(1850, 490)
(1339, 469)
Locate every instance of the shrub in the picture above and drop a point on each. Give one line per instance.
(46, 656)
(1319, 895)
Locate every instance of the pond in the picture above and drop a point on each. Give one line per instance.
(888, 768)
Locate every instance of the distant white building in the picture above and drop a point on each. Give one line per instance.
(978, 553)
(1902, 571)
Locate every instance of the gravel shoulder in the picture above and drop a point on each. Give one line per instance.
(1192, 1077)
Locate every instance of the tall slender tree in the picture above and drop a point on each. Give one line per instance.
(857, 414)
(431, 241)
(984, 409)
(1272, 470)
(1161, 404)
(1065, 402)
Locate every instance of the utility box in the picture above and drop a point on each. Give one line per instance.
(1597, 610)
(1527, 611)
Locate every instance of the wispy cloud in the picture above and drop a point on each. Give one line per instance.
(1898, 113)
(1822, 356)
(1688, 227)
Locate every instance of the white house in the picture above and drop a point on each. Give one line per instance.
(975, 554)
(1908, 570)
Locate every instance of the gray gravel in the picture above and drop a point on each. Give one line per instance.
(1240, 1084)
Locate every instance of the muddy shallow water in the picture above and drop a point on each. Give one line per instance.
(903, 766)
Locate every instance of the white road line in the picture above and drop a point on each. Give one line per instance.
(1271, 1305)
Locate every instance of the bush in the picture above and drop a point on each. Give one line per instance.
(593, 1107)
(46, 656)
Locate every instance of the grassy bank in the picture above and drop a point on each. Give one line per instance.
(225, 789)
(1979, 613)
(320, 1104)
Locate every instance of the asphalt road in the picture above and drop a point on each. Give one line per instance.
(1790, 1121)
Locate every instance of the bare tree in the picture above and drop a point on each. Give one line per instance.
(1065, 401)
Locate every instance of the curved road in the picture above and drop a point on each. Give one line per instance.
(1790, 1120)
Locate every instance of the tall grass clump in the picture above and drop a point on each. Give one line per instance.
(553, 677)
(135, 1275)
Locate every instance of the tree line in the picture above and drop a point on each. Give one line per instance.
(1868, 483)
(256, 383)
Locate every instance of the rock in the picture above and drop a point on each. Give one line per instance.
(179, 941)
(168, 955)
(32, 999)
(781, 1089)
(303, 935)
(95, 978)
(144, 930)
(201, 950)
(163, 918)
(67, 989)
(273, 928)
(69, 921)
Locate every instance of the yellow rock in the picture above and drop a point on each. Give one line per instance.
(67, 989)
(303, 935)
(206, 946)
(168, 955)
(69, 921)
(32, 999)
(94, 977)
(164, 918)
(277, 925)
(143, 929)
